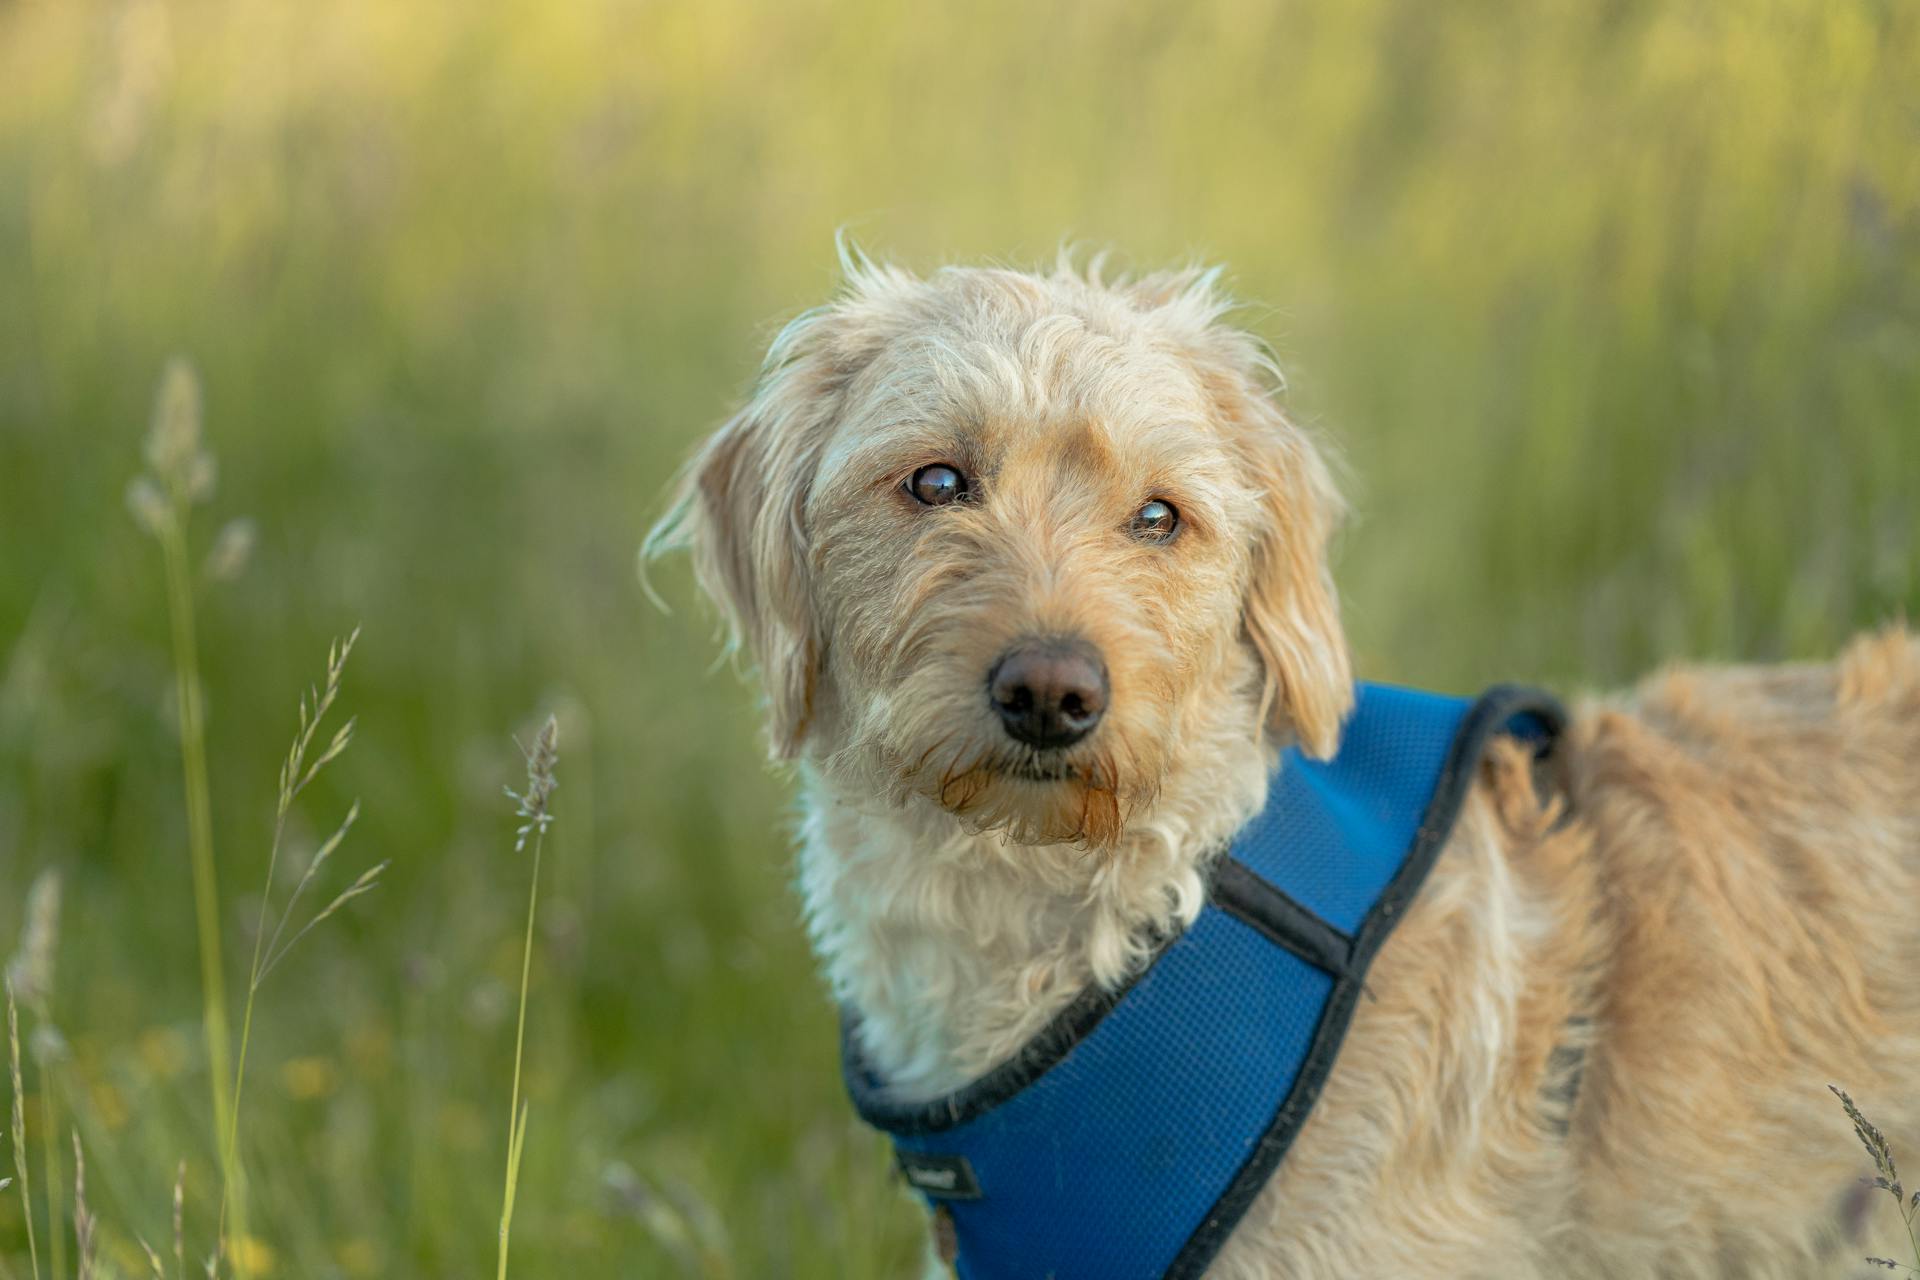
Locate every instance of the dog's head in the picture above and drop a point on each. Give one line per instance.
(1014, 545)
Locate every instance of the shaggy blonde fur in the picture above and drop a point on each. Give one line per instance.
(1716, 907)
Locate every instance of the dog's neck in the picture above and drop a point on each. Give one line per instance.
(955, 948)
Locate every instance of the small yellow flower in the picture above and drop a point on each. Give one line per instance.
(463, 1127)
(370, 1047)
(254, 1255)
(361, 1257)
(109, 1106)
(308, 1079)
(162, 1051)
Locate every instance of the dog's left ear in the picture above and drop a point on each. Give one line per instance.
(1291, 613)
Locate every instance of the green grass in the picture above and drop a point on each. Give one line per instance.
(1614, 309)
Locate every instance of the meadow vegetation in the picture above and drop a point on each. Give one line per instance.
(1613, 309)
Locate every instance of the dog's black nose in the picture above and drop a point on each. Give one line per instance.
(1049, 693)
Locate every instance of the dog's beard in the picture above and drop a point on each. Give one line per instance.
(1032, 798)
(1083, 796)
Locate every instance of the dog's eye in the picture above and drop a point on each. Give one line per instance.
(938, 485)
(1155, 522)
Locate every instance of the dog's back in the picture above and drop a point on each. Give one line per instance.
(1757, 831)
(1600, 1044)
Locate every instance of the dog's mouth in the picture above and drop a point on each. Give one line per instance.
(1042, 769)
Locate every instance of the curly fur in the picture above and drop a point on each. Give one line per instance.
(1715, 914)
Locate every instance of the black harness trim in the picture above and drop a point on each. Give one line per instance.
(1240, 892)
(1054, 1041)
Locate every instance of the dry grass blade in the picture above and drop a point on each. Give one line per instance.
(179, 1222)
(82, 1217)
(19, 1130)
(678, 1219)
(31, 972)
(179, 1243)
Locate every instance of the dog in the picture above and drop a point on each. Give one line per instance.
(1034, 570)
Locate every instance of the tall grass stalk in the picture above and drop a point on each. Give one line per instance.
(533, 806)
(206, 888)
(295, 773)
(49, 1147)
(181, 476)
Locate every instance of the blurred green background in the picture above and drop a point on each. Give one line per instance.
(1614, 308)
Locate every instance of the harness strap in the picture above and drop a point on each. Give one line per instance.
(1516, 711)
(1279, 919)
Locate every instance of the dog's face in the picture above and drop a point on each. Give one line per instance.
(1015, 545)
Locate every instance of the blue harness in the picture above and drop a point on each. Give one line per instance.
(1129, 1136)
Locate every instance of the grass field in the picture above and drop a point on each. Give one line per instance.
(1613, 307)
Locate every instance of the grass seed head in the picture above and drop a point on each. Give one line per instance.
(173, 447)
(1875, 1143)
(148, 505)
(19, 1130)
(181, 471)
(232, 548)
(30, 971)
(542, 757)
(1887, 1176)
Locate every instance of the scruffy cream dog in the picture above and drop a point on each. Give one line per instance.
(1035, 573)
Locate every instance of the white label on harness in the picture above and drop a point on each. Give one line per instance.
(947, 1177)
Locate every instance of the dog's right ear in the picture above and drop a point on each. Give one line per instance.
(1292, 613)
(741, 510)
